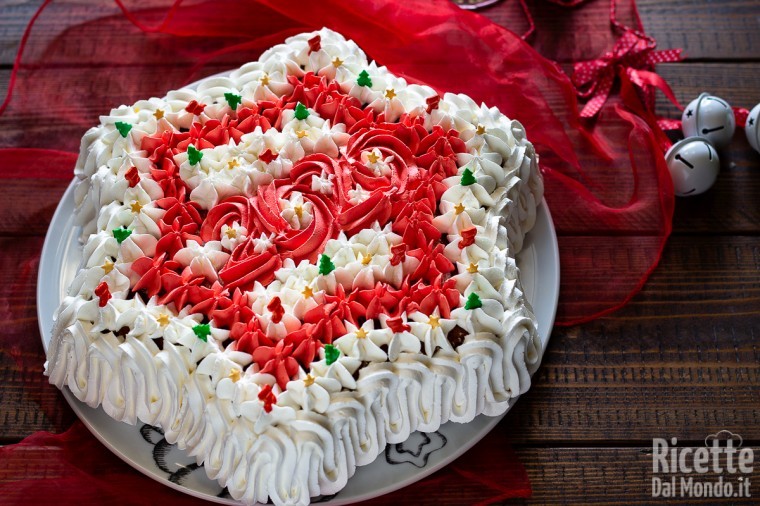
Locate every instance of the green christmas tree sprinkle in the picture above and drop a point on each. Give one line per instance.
(467, 178)
(331, 354)
(202, 331)
(193, 155)
(121, 234)
(233, 100)
(123, 128)
(473, 301)
(364, 80)
(301, 111)
(325, 265)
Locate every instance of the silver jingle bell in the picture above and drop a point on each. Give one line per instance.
(751, 128)
(693, 164)
(709, 117)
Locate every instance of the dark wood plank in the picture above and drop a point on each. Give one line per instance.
(586, 35)
(608, 476)
(14, 17)
(29, 403)
(63, 121)
(706, 30)
(734, 82)
(30, 204)
(681, 357)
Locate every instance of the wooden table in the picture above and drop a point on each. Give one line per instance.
(681, 360)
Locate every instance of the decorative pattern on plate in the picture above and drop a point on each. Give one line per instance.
(289, 268)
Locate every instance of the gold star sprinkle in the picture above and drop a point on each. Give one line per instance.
(373, 157)
(158, 114)
(390, 93)
(337, 62)
(231, 233)
(434, 322)
(163, 319)
(366, 259)
(231, 164)
(235, 375)
(137, 109)
(473, 268)
(107, 266)
(298, 210)
(307, 292)
(301, 133)
(264, 79)
(459, 208)
(480, 130)
(308, 380)
(136, 207)
(361, 334)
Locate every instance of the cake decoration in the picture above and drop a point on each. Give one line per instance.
(123, 128)
(291, 267)
(364, 79)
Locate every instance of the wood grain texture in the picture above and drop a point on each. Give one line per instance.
(725, 30)
(30, 204)
(67, 119)
(27, 400)
(680, 359)
(604, 475)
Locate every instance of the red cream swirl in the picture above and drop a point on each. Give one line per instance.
(298, 244)
(393, 150)
(233, 209)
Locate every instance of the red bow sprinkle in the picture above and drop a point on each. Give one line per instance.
(268, 397)
(132, 176)
(741, 114)
(315, 44)
(432, 103)
(275, 306)
(397, 325)
(103, 294)
(267, 156)
(398, 254)
(195, 108)
(468, 237)
(633, 55)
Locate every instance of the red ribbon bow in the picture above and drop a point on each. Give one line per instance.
(633, 57)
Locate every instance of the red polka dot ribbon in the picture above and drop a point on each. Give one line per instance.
(635, 56)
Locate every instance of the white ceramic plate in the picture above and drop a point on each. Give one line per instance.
(144, 448)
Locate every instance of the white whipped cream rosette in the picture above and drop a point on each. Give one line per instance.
(290, 267)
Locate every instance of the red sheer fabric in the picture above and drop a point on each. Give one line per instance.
(607, 185)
